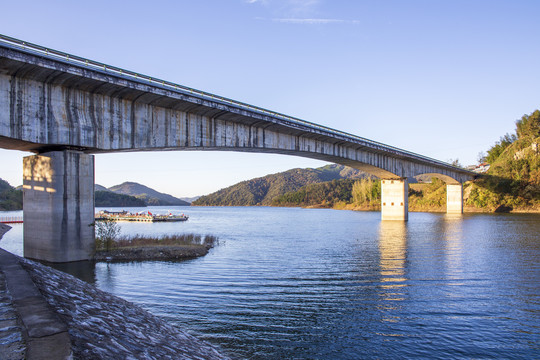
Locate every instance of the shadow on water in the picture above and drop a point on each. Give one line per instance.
(84, 270)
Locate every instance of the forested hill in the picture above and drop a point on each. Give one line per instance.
(148, 195)
(10, 198)
(262, 191)
(513, 181)
(123, 195)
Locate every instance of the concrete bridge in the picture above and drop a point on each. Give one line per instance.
(65, 108)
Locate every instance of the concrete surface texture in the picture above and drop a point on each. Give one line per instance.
(58, 201)
(12, 345)
(395, 199)
(52, 315)
(454, 198)
(66, 109)
(45, 335)
(54, 103)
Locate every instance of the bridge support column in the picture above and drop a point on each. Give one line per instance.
(58, 208)
(454, 199)
(395, 199)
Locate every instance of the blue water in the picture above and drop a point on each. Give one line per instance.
(324, 284)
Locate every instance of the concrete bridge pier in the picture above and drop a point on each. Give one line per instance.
(58, 192)
(395, 199)
(454, 198)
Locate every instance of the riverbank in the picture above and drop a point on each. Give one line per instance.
(152, 253)
(147, 248)
(88, 323)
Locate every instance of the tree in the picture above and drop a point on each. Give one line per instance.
(528, 126)
(364, 191)
(455, 162)
(107, 232)
(482, 157)
(499, 147)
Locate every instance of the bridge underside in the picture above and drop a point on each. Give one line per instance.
(58, 192)
(65, 112)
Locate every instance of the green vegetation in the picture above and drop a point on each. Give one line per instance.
(109, 198)
(107, 232)
(428, 197)
(207, 241)
(268, 189)
(327, 194)
(10, 198)
(141, 241)
(367, 193)
(513, 181)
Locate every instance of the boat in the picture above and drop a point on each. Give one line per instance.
(143, 216)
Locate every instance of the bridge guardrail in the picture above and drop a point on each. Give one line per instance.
(131, 75)
(11, 219)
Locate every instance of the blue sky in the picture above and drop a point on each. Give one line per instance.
(444, 79)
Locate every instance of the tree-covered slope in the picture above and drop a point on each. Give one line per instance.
(263, 190)
(111, 199)
(513, 180)
(10, 198)
(326, 194)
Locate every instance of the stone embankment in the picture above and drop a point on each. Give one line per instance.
(91, 323)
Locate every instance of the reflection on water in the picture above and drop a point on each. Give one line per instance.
(393, 252)
(453, 247)
(323, 284)
(84, 270)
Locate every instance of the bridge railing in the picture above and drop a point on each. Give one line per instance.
(11, 219)
(131, 75)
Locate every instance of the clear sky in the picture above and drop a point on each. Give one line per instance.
(444, 79)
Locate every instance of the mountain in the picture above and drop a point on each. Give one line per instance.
(325, 194)
(190, 199)
(110, 199)
(138, 196)
(513, 180)
(262, 191)
(10, 198)
(148, 195)
(100, 188)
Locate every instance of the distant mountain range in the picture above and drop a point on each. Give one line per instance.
(262, 191)
(128, 194)
(189, 199)
(259, 191)
(143, 193)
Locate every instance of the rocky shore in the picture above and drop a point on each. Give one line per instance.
(99, 325)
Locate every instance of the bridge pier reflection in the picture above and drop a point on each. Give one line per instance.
(58, 206)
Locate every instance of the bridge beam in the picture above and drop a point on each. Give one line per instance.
(454, 199)
(395, 199)
(58, 208)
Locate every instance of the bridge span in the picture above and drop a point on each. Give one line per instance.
(65, 108)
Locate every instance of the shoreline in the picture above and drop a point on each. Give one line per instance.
(88, 322)
(152, 253)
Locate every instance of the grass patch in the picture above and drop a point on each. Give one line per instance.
(123, 242)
